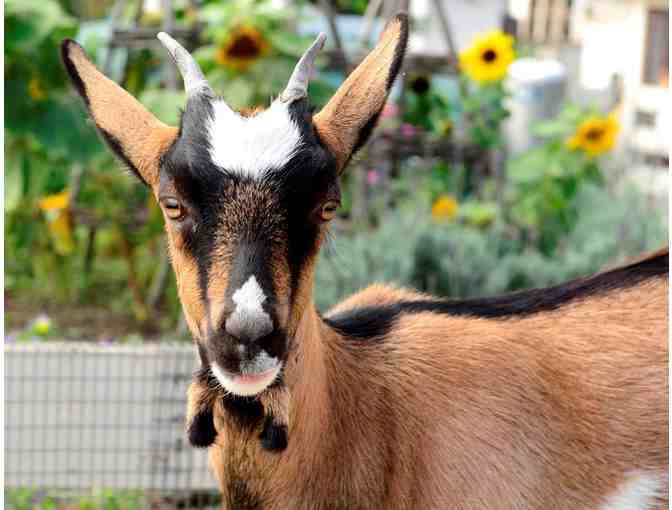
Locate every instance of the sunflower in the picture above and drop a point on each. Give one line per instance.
(244, 46)
(36, 90)
(57, 211)
(489, 57)
(595, 135)
(420, 84)
(445, 208)
(56, 202)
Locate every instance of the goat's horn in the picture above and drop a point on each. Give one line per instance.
(298, 82)
(193, 78)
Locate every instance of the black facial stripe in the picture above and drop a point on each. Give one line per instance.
(187, 165)
(250, 213)
(252, 258)
(375, 322)
(303, 182)
(301, 112)
(195, 141)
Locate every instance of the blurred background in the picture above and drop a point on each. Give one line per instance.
(525, 144)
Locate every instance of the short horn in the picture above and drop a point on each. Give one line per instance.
(298, 82)
(193, 78)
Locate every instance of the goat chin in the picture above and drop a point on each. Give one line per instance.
(245, 385)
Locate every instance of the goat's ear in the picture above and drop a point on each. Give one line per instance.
(131, 131)
(346, 122)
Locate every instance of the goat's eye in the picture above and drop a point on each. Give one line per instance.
(173, 208)
(328, 210)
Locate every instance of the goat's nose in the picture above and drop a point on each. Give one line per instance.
(248, 326)
(248, 322)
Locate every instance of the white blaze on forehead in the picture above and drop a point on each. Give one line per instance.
(249, 320)
(249, 146)
(638, 492)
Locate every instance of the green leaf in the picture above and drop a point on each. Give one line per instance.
(165, 104)
(13, 183)
(288, 43)
(477, 213)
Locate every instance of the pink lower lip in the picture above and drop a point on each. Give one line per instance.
(251, 378)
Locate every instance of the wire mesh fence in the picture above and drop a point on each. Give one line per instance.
(90, 426)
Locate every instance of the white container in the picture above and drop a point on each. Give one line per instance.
(537, 88)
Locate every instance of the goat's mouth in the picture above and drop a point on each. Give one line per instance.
(247, 382)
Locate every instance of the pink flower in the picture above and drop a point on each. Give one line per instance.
(389, 110)
(408, 130)
(372, 177)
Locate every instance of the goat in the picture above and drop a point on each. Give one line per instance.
(546, 399)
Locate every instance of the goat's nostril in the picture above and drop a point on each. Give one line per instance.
(248, 327)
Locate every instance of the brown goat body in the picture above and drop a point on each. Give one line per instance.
(547, 399)
(554, 409)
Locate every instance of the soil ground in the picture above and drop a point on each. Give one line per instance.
(94, 323)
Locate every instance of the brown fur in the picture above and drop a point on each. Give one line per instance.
(186, 277)
(251, 112)
(202, 398)
(548, 411)
(143, 137)
(277, 402)
(362, 95)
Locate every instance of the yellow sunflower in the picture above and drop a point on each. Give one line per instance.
(489, 57)
(56, 202)
(445, 208)
(595, 135)
(36, 90)
(244, 46)
(57, 211)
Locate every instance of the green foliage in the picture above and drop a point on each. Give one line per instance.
(51, 148)
(483, 111)
(252, 81)
(348, 263)
(558, 225)
(102, 499)
(36, 106)
(544, 181)
(457, 260)
(428, 107)
(351, 6)
(45, 136)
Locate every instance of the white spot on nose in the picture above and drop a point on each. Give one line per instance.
(249, 320)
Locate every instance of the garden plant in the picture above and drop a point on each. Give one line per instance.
(83, 244)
